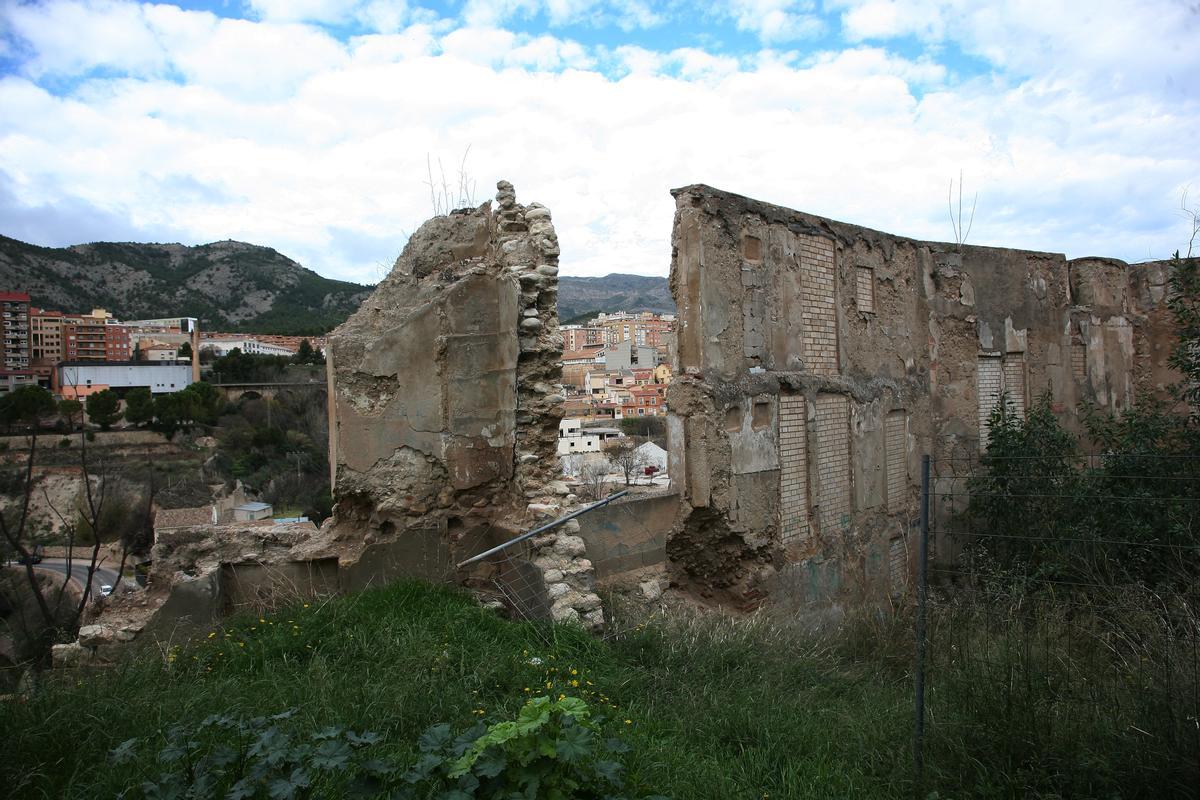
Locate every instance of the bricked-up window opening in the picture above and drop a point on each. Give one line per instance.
(989, 378)
(898, 565)
(865, 289)
(733, 419)
(751, 248)
(1079, 360)
(897, 460)
(1000, 377)
(762, 415)
(817, 288)
(1014, 383)
(793, 469)
(833, 461)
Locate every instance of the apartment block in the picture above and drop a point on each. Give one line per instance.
(14, 334)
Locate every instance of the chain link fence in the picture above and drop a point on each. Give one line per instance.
(1058, 635)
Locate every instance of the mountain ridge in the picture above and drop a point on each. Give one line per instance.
(237, 286)
(228, 285)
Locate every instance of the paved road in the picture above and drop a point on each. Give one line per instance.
(79, 571)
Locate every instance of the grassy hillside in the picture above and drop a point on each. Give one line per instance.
(708, 712)
(711, 708)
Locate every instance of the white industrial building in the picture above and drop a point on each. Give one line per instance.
(158, 378)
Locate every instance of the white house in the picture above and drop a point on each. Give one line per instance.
(651, 455)
(573, 438)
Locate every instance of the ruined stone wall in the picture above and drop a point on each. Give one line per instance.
(444, 386)
(446, 399)
(817, 361)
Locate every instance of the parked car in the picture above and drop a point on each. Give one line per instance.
(105, 590)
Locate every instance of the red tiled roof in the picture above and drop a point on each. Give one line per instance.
(183, 517)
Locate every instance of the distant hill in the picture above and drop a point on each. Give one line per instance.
(582, 298)
(227, 285)
(237, 286)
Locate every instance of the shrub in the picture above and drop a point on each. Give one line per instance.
(553, 749)
(236, 758)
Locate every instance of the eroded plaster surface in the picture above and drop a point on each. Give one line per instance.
(818, 360)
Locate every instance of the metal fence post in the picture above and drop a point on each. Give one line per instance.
(922, 592)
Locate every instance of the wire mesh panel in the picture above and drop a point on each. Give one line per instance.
(1063, 631)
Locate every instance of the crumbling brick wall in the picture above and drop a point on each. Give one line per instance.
(817, 361)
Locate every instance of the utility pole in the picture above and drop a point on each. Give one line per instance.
(300, 456)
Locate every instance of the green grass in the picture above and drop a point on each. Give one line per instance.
(715, 709)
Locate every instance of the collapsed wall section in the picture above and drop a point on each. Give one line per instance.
(818, 360)
(445, 405)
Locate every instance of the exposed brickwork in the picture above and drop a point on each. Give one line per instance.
(897, 461)
(793, 469)
(833, 460)
(819, 313)
(898, 564)
(990, 382)
(864, 289)
(1079, 361)
(1014, 383)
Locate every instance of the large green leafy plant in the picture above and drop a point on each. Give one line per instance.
(237, 759)
(553, 750)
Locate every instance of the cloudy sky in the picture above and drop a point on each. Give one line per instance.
(307, 125)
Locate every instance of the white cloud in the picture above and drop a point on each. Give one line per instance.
(278, 134)
(1113, 45)
(776, 21)
(383, 16)
(71, 37)
(234, 55)
(626, 14)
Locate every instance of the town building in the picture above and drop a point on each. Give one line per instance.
(580, 337)
(15, 370)
(260, 343)
(251, 346)
(95, 337)
(164, 324)
(253, 510)
(644, 401)
(627, 355)
(45, 341)
(574, 438)
(157, 352)
(650, 454)
(576, 364)
(74, 379)
(645, 329)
